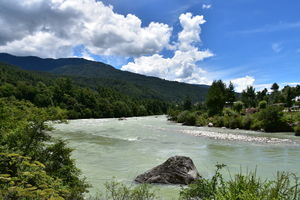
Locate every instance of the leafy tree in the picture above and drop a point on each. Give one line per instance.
(238, 106)
(216, 97)
(262, 95)
(249, 97)
(262, 105)
(230, 94)
(275, 87)
(23, 130)
(187, 105)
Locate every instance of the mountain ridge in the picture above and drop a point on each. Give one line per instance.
(83, 70)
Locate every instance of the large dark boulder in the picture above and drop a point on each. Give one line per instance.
(176, 170)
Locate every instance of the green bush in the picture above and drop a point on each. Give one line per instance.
(181, 118)
(118, 191)
(202, 120)
(271, 119)
(262, 104)
(247, 122)
(22, 178)
(218, 121)
(187, 118)
(248, 186)
(238, 106)
(297, 130)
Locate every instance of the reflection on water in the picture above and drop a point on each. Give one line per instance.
(106, 148)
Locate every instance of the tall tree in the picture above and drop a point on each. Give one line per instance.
(249, 97)
(230, 94)
(275, 87)
(187, 105)
(216, 97)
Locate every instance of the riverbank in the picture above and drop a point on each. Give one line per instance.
(270, 119)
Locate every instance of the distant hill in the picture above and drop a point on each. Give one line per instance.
(92, 74)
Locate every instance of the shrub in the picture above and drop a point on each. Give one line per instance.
(297, 130)
(271, 119)
(238, 106)
(229, 112)
(243, 187)
(22, 178)
(262, 104)
(218, 121)
(187, 118)
(247, 122)
(190, 119)
(118, 191)
(202, 120)
(181, 118)
(235, 122)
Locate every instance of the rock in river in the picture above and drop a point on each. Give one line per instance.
(176, 170)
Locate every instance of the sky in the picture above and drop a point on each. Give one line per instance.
(248, 42)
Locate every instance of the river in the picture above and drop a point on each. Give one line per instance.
(122, 149)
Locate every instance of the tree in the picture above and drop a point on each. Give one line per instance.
(238, 106)
(275, 96)
(216, 98)
(275, 87)
(230, 94)
(187, 105)
(262, 95)
(249, 97)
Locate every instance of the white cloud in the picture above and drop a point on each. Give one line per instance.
(260, 87)
(277, 47)
(242, 83)
(206, 6)
(67, 23)
(183, 65)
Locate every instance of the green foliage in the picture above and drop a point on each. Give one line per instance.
(238, 106)
(216, 98)
(24, 132)
(22, 178)
(187, 118)
(118, 191)
(249, 97)
(230, 94)
(262, 104)
(187, 105)
(247, 186)
(46, 90)
(271, 119)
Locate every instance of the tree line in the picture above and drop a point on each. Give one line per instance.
(262, 110)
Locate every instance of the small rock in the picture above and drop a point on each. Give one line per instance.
(210, 124)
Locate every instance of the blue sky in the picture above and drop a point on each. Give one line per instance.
(248, 37)
(249, 42)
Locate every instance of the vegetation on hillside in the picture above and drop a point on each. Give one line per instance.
(93, 74)
(273, 111)
(45, 90)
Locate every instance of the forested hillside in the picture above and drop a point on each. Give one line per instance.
(45, 90)
(93, 74)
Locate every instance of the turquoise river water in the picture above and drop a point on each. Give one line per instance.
(122, 149)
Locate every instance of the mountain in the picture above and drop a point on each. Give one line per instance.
(92, 74)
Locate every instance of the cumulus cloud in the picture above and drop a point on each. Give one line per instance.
(183, 65)
(206, 6)
(63, 24)
(242, 83)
